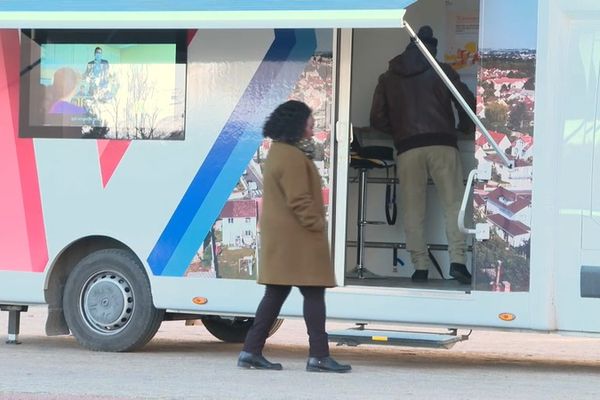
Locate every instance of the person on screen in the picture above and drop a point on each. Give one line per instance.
(64, 86)
(96, 73)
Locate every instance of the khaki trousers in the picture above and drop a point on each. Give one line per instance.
(444, 166)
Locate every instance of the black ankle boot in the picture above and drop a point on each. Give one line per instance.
(325, 364)
(249, 360)
(420, 275)
(460, 273)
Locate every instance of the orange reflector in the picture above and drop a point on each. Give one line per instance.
(200, 300)
(507, 317)
(379, 338)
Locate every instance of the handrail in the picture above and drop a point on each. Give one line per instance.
(463, 205)
(457, 94)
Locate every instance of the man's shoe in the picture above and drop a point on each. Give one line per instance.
(326, 364)
(420, 275)
(460, 273)
(249, 360)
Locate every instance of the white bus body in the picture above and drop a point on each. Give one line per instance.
(172, 203)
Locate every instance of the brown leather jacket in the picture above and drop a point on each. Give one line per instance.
(412, 103)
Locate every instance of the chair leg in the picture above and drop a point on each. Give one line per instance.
(361, 222)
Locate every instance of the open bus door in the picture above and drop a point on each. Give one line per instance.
(481, 231)
(359, 275)
(482, 173)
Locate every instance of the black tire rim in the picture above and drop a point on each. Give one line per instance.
(107, 302)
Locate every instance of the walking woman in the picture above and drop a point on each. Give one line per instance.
(294, 247)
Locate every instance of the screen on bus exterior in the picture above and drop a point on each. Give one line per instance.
(120, 84)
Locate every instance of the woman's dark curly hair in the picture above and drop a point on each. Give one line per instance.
(287, 122)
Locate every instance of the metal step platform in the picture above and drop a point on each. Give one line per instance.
(432, 340)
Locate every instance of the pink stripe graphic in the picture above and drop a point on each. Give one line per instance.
(22, 234)
(110, 153)
(190, 35)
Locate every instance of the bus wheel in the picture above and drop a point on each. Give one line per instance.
(108, 303)
(233, 330)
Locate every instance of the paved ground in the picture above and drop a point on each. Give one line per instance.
(185, 362)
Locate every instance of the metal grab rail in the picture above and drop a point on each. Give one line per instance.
(463, 205)
(482, 229)
(457, 94)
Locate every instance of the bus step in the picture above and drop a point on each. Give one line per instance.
(432, 340)
(14, 321)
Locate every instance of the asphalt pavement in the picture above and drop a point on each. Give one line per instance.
(186, 362)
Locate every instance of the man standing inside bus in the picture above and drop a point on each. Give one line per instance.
(412, 104)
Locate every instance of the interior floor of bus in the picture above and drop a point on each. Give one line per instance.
(388, 282)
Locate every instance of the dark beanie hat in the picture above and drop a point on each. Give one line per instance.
(426, 35)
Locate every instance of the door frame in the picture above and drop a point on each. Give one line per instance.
(341, 147)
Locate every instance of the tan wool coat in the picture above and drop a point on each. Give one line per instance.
(294, 249)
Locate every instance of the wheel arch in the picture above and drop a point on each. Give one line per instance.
(60, 269)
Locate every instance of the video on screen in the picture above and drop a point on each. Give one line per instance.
(103, 90)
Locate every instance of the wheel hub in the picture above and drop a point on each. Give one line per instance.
(107, 302)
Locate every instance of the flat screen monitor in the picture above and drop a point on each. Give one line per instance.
(109, 84)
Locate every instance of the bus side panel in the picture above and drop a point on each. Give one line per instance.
(22, 231)
(218, 245)
(213, 233)
(21, 287)
(577, 141)
(149, 178)
(161, 198)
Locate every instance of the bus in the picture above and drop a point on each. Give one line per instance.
(131, 164)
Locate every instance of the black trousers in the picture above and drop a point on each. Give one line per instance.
(268, 311)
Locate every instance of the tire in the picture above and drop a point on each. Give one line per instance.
(233, 330)
(107, 302)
